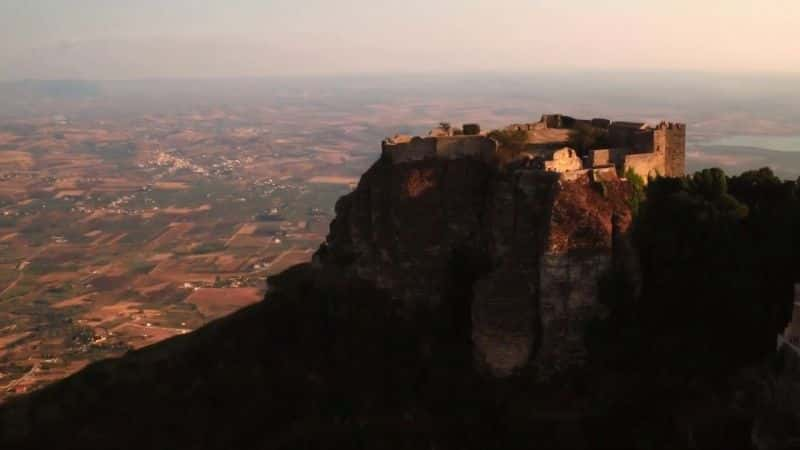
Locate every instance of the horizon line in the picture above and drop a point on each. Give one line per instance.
(570, 72)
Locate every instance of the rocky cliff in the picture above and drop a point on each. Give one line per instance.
(507, 255)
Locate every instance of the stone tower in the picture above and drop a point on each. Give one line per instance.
(670, 139)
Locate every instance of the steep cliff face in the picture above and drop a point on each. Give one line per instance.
(510, 256)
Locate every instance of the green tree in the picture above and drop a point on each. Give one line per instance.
(710, 183)
(638, 186)
(717, 271)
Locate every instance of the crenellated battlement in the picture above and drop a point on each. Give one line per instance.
(671, 126)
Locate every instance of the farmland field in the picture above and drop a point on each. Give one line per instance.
(115, 234)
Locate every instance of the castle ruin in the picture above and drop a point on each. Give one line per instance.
(647, 150)
(523, 202)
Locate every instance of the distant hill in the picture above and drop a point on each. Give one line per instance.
(58, 89)
(737, 159)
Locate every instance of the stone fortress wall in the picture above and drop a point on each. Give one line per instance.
(647, 150)
(402, 149)
(453, 147)
(645, 164)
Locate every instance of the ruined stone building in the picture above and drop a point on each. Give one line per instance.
(645, 149)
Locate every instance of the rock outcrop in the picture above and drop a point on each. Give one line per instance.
(511, 254)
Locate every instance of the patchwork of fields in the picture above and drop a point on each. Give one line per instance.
(115, 235)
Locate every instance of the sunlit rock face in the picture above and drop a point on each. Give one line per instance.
(507, 254)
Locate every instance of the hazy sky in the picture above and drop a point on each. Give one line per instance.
(123, 39)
